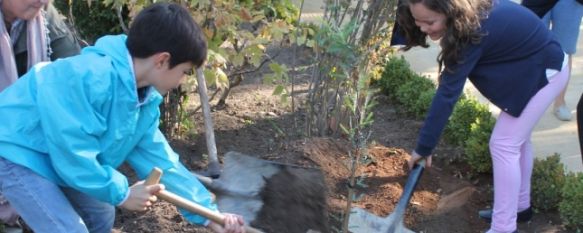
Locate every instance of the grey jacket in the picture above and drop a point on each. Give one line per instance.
(63, 43)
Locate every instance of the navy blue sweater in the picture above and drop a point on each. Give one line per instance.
(508, 67)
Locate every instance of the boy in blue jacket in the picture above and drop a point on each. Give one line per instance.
(69, 124)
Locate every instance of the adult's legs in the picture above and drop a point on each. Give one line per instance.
(564, 20)
(560, 100)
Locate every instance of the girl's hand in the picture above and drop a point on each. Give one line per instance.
(141, 196)
(416, 158)
(233, 224)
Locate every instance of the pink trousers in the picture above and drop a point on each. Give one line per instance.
(512, 155)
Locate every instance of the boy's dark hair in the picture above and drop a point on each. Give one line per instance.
(167, 27)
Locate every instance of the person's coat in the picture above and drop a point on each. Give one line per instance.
(74, 121)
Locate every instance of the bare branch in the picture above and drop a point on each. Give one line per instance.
(258, 67)
(123, 25)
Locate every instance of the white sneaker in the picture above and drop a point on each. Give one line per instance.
(563, 113)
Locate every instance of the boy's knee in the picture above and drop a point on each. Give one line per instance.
(101, 221)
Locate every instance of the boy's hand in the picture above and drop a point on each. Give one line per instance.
(141, 196)
(233, 224)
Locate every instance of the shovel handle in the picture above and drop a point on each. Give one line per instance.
(188, 205)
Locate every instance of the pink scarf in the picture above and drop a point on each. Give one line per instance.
(37, 45)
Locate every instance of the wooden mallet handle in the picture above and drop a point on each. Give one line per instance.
(188, 205)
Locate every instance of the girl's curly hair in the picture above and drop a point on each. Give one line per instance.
(462, 26)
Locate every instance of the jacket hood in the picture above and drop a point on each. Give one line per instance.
(113, 47)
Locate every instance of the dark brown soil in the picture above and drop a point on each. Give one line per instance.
(255, 123)
(294, 200)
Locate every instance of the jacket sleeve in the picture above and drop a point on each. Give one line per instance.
(72, 127)
(451, 86)
(153, 150)
(63, 42)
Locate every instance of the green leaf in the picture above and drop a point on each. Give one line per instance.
(279, 89)
(278, 69)
(268, 79)
(222, 78)
(257, 17)
(260, 40)
(217, 57)
(210, 77)
(255, 59)
(348, 103)
(344, 129)
(301, 40)
(369, 118)
(255, 54)
(245, 34)
(284, 98)
(238, 59)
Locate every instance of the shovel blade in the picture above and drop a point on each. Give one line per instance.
(267, 193)
(362, 221)
(241, 183)
(246, 175)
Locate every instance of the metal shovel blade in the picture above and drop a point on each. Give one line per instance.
(238, 188)
(266, 192)
(362, 221)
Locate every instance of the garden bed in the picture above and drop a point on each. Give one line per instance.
(256, 123)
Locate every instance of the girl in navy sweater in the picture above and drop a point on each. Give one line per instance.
(513, 60)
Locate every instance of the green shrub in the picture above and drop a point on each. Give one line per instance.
(476, 146)
(92, 21)
(409, 94)
(571, 207)
(397, 72)
(275, 9)
(548, 177)
(423, 103)
(465, 113)
(286, 10)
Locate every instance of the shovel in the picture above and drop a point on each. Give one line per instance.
(181, 202)
(363, 222)
(273, 196)
(214, 168)
(265, 193)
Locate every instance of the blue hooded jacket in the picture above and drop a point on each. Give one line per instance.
(74, 121)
